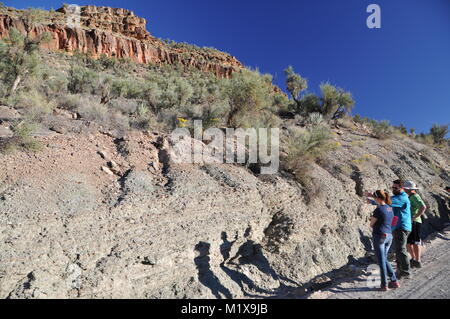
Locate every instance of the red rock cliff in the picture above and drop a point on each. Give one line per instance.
(115, 33)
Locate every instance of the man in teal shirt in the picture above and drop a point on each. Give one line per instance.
(401, 231)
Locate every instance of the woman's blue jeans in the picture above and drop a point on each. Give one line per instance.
(381, 245)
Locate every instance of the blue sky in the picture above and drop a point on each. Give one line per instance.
(400, 72)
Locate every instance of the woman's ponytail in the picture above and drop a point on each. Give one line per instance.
(383, 195)
(387, 198)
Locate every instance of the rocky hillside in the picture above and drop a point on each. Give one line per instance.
(94, 205)
(114, 33)
(92, 215)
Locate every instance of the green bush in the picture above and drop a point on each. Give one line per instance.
(34, 105)
(334, 103)
(19, 59)
(93, 111)
(402, 129)
(52, 84)
(21, 139)
(141, 118)
(438, 133)
(107, 115)
(128, 88)
(303, 149)
(82, 80)
(249, 95)
(315, 119)
(175, 92)
(71, 102)
(125, 106)
(308, 145)
(296, 85)
(382, 130)
(425, 139)
(358, 119)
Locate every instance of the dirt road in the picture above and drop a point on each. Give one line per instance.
(430, 282)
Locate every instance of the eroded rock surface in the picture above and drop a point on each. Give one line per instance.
(157, 229)
(114, 32)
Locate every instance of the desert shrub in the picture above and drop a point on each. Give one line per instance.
(141, 118)
(93, 111)
(211, 115)
(89, 108)
(124, 65)
(207, 102)
(346, 121)
(70, 102)
(175, 92)
(106, 63)
(249, 95)
(364, 120)
(358, 143)
(3, 91)
(363, 159)
(34, 104)
(358, 119)
(263, 119)
(194, 49)
(438, 133)
(402, 129)
(19, 59)
(51, 83)
(281, 103)
(21, 139)
(34, 16)
(81, 80)
(333, 104)
(315, 119)
(118, 66)
(425, 139)
(296, 85)
(335, 101)
(303, 149)
(310, 144)
(382, 130)
(128, 88)
(125, 106)
(166, 119)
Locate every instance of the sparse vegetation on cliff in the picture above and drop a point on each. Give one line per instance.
(120, 94)
(334, 103)
(97, 89)
(303, 148)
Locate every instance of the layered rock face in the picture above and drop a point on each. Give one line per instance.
(114, 33)
(151, 228)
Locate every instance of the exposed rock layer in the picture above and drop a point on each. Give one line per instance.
(115, 33)
(157, 229)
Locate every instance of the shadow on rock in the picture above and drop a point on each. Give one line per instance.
(365, 240)
(206, 275)
(250, 253)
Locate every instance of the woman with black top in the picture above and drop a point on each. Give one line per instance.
(381, 222)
